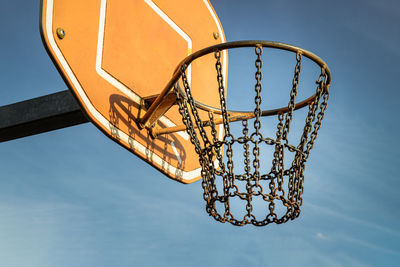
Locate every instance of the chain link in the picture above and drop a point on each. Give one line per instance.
(248, 185)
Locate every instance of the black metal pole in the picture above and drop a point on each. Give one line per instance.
(39, 115)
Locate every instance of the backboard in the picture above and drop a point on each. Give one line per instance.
(115, 54)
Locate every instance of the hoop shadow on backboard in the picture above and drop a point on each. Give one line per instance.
(122, 117)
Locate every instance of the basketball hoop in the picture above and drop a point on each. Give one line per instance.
(118, 88)
(280, 185)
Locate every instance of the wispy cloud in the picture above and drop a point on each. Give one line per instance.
(321, 236)
(368, 245)
(351, 219)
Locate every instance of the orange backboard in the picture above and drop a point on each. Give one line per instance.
(114, 53)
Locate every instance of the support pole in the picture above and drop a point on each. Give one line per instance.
(39, 115)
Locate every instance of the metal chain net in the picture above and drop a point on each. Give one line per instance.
(277, 190)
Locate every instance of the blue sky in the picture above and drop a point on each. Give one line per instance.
(72, 197)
